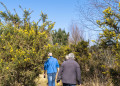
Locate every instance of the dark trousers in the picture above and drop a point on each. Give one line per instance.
(64, 84)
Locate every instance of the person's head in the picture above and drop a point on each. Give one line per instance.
(66, 57)
(49, 54)
(71, 56)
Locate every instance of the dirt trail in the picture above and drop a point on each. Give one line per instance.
(41, 81)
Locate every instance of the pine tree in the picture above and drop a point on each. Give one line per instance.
(60, 37)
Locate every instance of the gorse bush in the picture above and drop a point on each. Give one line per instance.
(109, 40)
(22, 48)
(21, 52)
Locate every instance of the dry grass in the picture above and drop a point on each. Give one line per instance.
(96, 82)
(41, 81)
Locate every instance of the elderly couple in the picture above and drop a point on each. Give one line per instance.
(69, 72)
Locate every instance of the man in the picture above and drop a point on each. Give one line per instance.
(70, 72)
(51, 66)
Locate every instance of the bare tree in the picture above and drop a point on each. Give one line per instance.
(76, 34)
(89, 11)
(92, 10)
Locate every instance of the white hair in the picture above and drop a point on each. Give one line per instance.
(66, 57)
(49, 54)
(71, 55)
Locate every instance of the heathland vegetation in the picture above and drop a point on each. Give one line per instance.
(25, 43)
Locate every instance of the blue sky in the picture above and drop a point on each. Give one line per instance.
(63, 12)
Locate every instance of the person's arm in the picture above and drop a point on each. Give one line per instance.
(78, 75)
(59, 77)
(45, 69)
(58, 69)
(57, 66)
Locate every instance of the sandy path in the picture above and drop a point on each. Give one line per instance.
(41, 81)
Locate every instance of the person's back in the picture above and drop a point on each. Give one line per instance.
(69, 73)
(51, 66)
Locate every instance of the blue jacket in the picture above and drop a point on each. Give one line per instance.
(51, 65)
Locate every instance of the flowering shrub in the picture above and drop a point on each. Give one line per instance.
(22, 51)
(109, 39)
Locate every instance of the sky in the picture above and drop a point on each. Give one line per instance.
(63, 12)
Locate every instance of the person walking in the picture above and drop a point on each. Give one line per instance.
(51, 66)
(69, 73)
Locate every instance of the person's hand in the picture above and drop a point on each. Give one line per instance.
(44, 76)
(58, 81)
(80, 85)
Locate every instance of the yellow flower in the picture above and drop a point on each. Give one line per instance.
(57, 83)
(56, 44)
(117, 54)
(98, 21)
(100, 34)
(89, 54)
(1, 60)
(4, 47)
(11, 50)
(103, 66)
(28, 58)
(13, 59)
(46, 36)
(108, 10)
(49, 45)
(119, 4)
(114, 34)
(7, 68)
(25, 59)
(0, 23)
(93, 40)
(117, 45)
(104, 72)
(43, 33)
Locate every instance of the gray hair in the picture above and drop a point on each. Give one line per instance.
(67, 57)
(71, 55)
(49, 54)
